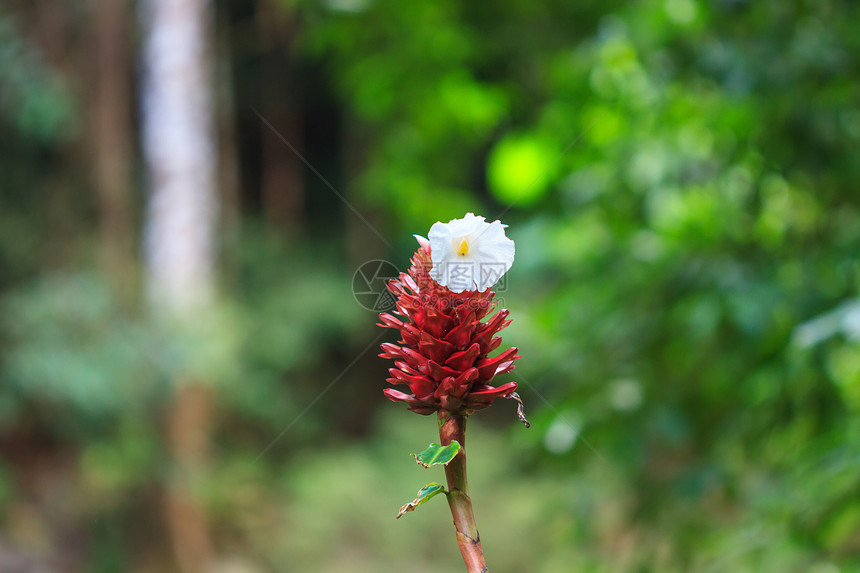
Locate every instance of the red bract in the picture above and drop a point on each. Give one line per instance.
(442, 353)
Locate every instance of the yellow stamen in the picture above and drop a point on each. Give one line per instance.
(464, 248)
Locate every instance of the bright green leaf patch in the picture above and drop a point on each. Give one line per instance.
(424, 494)
(436, 454)
(520, 168)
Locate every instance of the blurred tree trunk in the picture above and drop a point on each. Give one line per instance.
(228, 160)
(50, 29)
(179, 236)
(281, 178)
(112, 141)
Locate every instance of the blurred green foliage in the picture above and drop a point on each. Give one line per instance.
(680, 178)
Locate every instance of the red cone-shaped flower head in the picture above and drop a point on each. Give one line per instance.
(442, 356)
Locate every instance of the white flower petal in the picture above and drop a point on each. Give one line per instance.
(465, 226)
(441, 241)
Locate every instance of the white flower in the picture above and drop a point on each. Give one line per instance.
(469, 253)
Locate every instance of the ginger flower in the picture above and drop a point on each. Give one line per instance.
(443, 353)
(469, 253)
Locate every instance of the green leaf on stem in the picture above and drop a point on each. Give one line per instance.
(424, 494)
(436, 454)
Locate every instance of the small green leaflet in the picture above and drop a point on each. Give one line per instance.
(436, 454)
(425, 493)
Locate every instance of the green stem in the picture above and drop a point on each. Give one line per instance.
(453, 427)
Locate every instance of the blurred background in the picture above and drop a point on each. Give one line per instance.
(187, 383)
